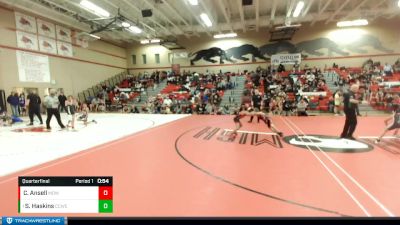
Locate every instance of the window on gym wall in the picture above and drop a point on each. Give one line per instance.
(134, 59)
(170, 57)
(157, 58)
(144, 59)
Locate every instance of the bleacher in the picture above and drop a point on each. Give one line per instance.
(175, 91)
(315, 102)
(92, 91)
(376, 87)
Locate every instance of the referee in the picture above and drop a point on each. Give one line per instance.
(52, 103)
(350, 109)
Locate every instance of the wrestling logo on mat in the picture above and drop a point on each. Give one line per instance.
(327, 143)
(31, 129)
(243, 138)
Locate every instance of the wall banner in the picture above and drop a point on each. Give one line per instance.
(286, 59)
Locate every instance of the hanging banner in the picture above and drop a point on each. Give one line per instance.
(46, 29)
(33, 67)
(286, 59)
(25, 22)
(47, 45)
(63, 34)
(64, 49)
(27, 40)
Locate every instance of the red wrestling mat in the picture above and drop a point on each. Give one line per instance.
(189, 168)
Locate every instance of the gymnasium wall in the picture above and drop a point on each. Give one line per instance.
(87, 67)
(347, 47)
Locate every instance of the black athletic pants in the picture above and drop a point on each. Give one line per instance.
(35, 111)
(56, 113)
(350, 124)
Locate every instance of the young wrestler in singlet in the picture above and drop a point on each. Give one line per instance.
(260, 115)
(267, 120)
(85, 115)
(71, 106)
(395, 125)
(238, 115)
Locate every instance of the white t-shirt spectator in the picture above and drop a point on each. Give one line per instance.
(338, 99)
(167, 102)
(388, 68)
(310, 77)
(301, 106)
(95, 101)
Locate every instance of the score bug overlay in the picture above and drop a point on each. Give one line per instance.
(65, 194)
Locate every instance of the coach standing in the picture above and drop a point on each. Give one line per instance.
(33, 104)
(52, 104)
(350, 109)
(62, 99)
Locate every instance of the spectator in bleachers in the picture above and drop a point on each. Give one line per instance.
(388, 70)
(287, 107)
(94, 104)
(281, 68)
(302, 107)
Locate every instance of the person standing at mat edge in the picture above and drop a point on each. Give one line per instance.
(62, 99)
(52, 104)
(33, 103)
(350, 110)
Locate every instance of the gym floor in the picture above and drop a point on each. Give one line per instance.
(174, 165)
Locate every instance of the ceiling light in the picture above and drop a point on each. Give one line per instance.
(398, 3)
(134, 29)
(94, 8)
(298, 9)
(150, 41)
(287, 26)
(206, 19)
(193, 2)
(361, 22)
(94, 36)
(144, 42)
(125, 24)
(229, 35)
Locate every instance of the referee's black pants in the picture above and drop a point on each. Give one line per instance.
(56, 113)
(35, 111)
(350, 124)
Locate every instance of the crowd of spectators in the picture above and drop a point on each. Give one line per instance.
(283, 92)
(379, 85)
(192, 93)
(117, 97)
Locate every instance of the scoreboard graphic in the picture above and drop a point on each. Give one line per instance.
(65, 195)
